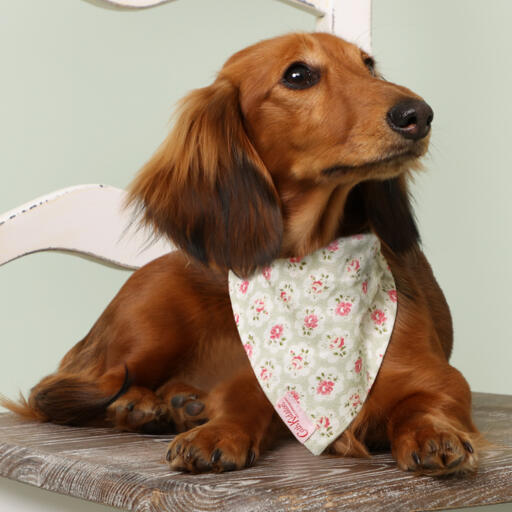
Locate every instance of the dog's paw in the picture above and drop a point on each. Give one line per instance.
(187, 406)
(140, 410)
(436, 451)
(217, 446)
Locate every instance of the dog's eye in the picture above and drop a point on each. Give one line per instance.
(300, 76)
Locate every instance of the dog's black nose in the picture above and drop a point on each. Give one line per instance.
(411, 118)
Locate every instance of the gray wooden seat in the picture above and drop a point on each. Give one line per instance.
(128, 471)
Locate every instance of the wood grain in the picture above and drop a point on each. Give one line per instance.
(128, 471)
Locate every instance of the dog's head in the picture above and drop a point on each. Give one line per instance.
(297, 141)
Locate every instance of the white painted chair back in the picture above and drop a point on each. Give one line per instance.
(90, 219)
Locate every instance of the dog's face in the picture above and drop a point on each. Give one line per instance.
(315, 108)
(297, 138)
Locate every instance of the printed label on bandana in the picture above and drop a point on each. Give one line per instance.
(295, 418)
(315, 330)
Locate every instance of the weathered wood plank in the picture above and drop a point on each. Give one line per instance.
(128, 471)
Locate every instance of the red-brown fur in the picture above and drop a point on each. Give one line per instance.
(240, 181)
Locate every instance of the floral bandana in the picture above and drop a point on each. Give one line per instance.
(315, 330)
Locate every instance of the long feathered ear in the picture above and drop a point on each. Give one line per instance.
(390, 214)
(208, 190)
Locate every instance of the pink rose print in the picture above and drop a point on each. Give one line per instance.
(333, 246)
(295, 395)
(392, 295)
(317, 286)
(357, 237)
(337, 343)
(365, 287)
(323, 422)
(378, 317)
(260, 305)
(284, 296)
(353, 266)
(248, 350)
(237, 318)
(297, 362)
(295, 260)
(311, 321)
(358, 365)
(267, 272)
(243, 286)
(356, 400)
(265, 374)
(325, 387)
(343, 308)
(276, 331)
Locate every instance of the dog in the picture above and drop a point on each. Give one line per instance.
(297, 142)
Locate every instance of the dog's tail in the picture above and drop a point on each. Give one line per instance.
(65, 399)
(22, 408)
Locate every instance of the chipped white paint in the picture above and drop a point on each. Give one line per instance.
(87, 219)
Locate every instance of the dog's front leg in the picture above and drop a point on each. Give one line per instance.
(431, 431)
(422, 405)
(240, 417)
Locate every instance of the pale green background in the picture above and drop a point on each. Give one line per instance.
(86, 95)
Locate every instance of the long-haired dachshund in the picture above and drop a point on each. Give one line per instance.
(297, 142)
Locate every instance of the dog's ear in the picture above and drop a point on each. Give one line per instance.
(389, 213)
(207, 189)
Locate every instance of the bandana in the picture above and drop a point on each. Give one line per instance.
(315, 330)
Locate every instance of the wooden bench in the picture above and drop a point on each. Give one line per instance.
(128, 471)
